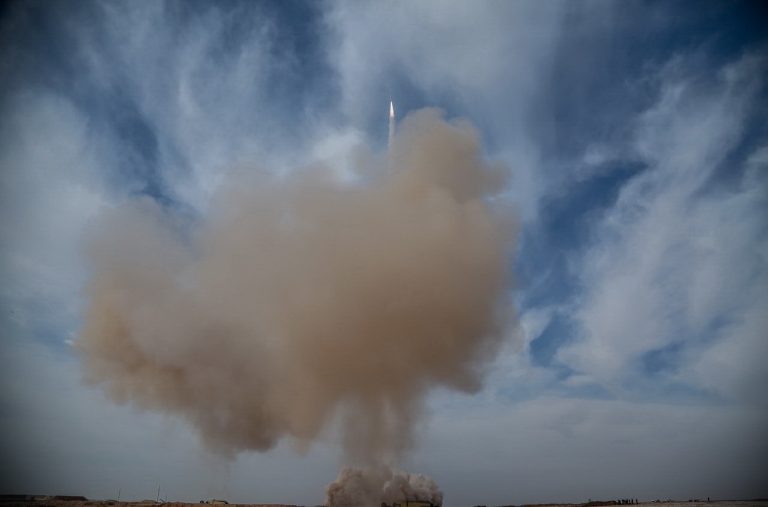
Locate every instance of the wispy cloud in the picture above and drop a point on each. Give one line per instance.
(677, 265)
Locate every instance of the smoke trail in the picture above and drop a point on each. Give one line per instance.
(300, 302)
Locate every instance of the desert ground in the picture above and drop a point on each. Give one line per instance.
(7, 501)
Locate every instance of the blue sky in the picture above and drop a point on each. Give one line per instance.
(636, 140)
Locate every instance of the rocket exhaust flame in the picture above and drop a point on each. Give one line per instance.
(391, 125)
(299, 302)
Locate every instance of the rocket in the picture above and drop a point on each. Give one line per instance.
(391, 124)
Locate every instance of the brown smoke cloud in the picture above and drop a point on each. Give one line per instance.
(373, 486)
(301, 302)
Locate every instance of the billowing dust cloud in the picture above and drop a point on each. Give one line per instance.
(300, 303)
(374, 486)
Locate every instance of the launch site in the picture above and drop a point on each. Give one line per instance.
(293, 253)
(41, 501)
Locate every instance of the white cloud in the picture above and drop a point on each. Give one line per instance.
(488, 58)
(210, 107)
(52, 185)
(677, 260)
(465, 50)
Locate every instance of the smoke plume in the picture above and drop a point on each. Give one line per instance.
(372, 487)
(300, 303)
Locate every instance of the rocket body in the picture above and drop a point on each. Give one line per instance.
(391, 125)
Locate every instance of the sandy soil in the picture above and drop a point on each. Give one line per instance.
(107, 503)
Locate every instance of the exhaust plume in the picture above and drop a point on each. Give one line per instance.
(391, 134)
(300, 303)
(372, 487)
